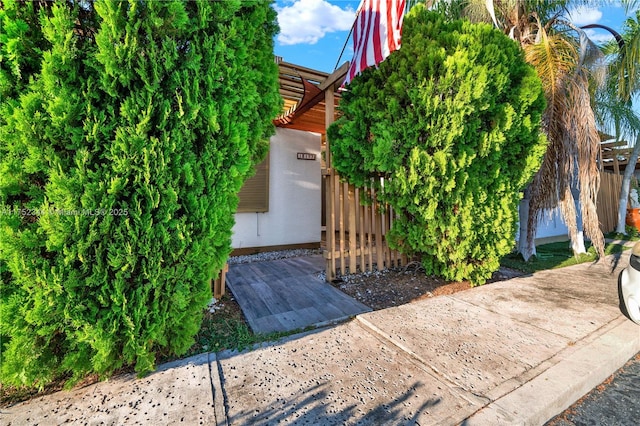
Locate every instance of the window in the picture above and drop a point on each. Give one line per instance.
(254, 195)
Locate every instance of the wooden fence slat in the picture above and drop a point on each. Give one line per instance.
(394, 253)
(404, 259)
(385, 230)
(361, 230)
(342, 227)
(368, 226)
(329, 117)
(378, 236)
(352, 229)
(331, 226)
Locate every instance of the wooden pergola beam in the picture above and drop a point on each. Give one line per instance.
(335, 77)
(305, 100)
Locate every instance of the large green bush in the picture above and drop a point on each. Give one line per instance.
(126, 130)
(452, 121)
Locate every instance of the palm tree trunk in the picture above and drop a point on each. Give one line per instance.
(526, 246)
(577, 239)
(626, 183)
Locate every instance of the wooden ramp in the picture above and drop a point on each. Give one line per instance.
(286, 294)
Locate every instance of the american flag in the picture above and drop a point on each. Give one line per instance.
(376, 33)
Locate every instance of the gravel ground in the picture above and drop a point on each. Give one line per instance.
(272, 255)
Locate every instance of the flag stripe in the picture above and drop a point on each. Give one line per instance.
(377, 33)
(366, 42)
(391, 42)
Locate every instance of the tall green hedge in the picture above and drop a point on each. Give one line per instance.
(452, 121)
(126, 130)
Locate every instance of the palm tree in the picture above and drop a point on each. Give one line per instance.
(564, 59)
(614, 102)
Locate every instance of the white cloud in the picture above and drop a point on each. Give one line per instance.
(307, 21)
(583, 15)
(598, 36)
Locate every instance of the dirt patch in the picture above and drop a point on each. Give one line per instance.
(385, 289)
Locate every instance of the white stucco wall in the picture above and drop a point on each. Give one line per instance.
(549, 226)
(294, 196)
(552, 226)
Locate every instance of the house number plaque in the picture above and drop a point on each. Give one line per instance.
(306, 156)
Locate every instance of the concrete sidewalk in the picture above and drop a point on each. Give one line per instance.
(514, 352)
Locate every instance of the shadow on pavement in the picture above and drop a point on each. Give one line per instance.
(322, 406)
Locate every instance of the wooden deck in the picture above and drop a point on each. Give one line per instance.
(286, 294)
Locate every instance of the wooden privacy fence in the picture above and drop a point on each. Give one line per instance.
(356, 233)
(608, 197)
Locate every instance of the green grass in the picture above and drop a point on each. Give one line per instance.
(555, 255)
(632, 234)
(226, 329)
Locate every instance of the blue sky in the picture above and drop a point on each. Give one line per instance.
(313, 32)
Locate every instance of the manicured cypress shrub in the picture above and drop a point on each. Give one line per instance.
(120, 160)
(451, 120)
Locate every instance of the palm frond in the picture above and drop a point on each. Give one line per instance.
(627, 64)
(630, 5)
(583, 134)
(553, 57)
(476, 11)
(590, 55)
(615, 116)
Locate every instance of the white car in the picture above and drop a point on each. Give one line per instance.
(629, 287)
